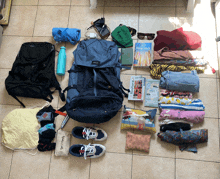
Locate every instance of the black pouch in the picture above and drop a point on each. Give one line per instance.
(101, 28)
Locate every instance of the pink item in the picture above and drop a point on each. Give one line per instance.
(190, 116)
(175, 94)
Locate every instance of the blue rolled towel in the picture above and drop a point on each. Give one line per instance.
(71, 35)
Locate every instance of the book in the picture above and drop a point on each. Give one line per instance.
(143, 54)
(127, 56)
(151, 93)
(137, 87)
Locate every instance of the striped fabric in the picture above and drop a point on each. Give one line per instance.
(196, 105)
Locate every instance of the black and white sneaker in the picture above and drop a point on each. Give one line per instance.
(90, 150)
(94, 133)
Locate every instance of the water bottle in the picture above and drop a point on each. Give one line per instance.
(61, 62)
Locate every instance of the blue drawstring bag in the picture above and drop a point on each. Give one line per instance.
(71, 35)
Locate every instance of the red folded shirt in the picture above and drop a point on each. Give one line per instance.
(177, 40)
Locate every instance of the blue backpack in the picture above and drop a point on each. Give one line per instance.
(95, 92)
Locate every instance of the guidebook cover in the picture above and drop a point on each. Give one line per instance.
(137, 87)
(151, 93)
(143, 54)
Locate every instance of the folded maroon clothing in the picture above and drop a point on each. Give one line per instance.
(177, 40)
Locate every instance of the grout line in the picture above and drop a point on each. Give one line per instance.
(49, 165)
(35, 20)
(25, 5)
(131, 164)
(68, 19)
(11, 164)
(175, 167)
(199, 160)
(15, 36)
(218, 109)
(10, 105)
(132, 153)
(142, 6)
(90, 168)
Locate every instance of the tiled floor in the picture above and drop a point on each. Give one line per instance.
(33, 20)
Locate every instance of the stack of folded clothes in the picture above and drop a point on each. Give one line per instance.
(179, 111)
(47, 131)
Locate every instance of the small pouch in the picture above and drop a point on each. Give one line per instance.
(62, 143)
(139, 119)
(139, 142)
(104, 32)
(101, 28)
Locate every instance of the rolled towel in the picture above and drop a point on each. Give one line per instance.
(71, 35)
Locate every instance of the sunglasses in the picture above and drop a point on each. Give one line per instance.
(150, 36)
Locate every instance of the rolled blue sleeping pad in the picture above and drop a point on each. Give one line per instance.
(71, 35)
(61, 62)
(178, 81)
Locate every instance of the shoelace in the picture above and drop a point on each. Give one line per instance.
(87, 149)
(87, 133)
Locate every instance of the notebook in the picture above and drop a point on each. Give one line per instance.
(127, 56)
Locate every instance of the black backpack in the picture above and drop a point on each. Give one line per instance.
(95, 92)
(32, 74)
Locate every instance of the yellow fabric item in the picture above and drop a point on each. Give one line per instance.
(157, 69)
(20, 129)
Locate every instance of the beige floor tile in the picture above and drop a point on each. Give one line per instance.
(111, 165)
(4, 96)
(157, 147)
(126, 83)
(69, 55)
(116, 137)
(64, 167)
(86, 3)
(22, 19)
(5, 161)
(6, 154)
(195, 22)
(152, 167)
(143, 71)
(76, 20)
(114, 16)
(25, 165)
(9, 49)
(197, 169)
(157, 3)
(123, 3)
(132, 71)
(208, 95)
(24, 2)
(181, 3)
(208, 151)
(153, 19)
(49, 17)
(55, 2)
